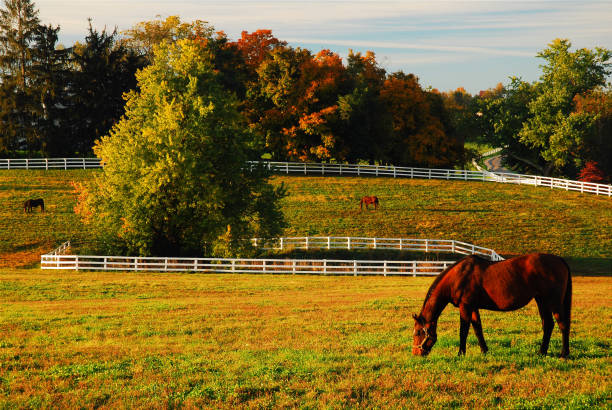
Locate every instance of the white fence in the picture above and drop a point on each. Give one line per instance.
(430, 173)
(252, 266)
(351, 169)
(57, 259)
(50, 163)
(401, 244)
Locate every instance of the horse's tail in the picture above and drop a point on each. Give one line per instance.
(361, 204)
(567, 299)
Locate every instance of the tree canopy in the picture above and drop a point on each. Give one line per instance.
(175, 181)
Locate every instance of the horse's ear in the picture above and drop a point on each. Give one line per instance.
(415, 317)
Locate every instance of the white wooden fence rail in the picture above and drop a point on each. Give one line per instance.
(57, 259)
(351, 169)
(353, 243)
(253, 266)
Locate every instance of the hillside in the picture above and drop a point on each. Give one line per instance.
(510, 219)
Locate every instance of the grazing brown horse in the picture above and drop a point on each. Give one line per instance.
(32, 203)
(369, 200)
(474, 283)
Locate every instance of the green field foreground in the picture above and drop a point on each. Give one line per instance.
(117, 340)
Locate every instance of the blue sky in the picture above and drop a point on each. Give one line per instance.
(447, 44)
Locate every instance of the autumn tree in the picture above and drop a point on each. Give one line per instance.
(174, 180)
(365, 121)
(418, 137)
(145, 35)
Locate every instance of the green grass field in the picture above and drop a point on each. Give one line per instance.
(134, 340)
(117, 340)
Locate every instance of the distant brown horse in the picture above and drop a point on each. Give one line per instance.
(33, 203)
(474, 283)
(369, 200)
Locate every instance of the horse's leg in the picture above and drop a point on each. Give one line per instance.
(465, 316)
(547, 324)
(477, 325)
(562, 315)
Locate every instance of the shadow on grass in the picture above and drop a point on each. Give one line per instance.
(590, 266)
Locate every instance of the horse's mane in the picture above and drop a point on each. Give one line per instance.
(442, 274)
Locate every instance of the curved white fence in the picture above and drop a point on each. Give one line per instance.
(351, 169)
(400, 244)
(57, 259)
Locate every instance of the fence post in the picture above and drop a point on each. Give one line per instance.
(135, 264)
(329, 242)
(76, 261)
(401, 244)
(354, 268)
(414, 269)
(429, 170)
(394, 175)
(358, 169)
(287, 167)
(27, 163)
(46, 164)
(293, 266)
(84, 163)
(281, 242)
(324, 266)
(322, 168)
(233, 266)
(304, 168)
(348, 242)
(376, 169)
(426, 245)
(165, 264)
(375, 243)
(263, 267)
(105, 263)
(195, 265)
(340, 169)
(385, 270)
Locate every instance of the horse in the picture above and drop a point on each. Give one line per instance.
(369, 200)
(32, 203)
(475, 283)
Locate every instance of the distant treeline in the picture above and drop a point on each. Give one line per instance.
(56, 101)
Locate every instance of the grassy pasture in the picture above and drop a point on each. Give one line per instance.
(92, 339)
(507, 218)
(116, 340)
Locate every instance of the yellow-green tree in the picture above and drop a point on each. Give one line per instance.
(174, 179)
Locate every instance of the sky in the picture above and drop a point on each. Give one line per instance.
(447, 44)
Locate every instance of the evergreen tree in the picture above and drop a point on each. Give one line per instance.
(104, 71)
(18, 26)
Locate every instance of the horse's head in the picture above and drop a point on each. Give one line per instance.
(424, 336)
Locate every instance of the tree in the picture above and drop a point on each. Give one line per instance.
(18, 25)
(592, 173)
(419, 138)
(104, 69)
(50, 92)
(144, 36)
(174, 180)
(554, 129)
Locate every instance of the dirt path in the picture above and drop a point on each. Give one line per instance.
(494, 164)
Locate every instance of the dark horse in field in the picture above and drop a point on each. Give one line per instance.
(33, 203)
(369, 200)
(475, 283)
